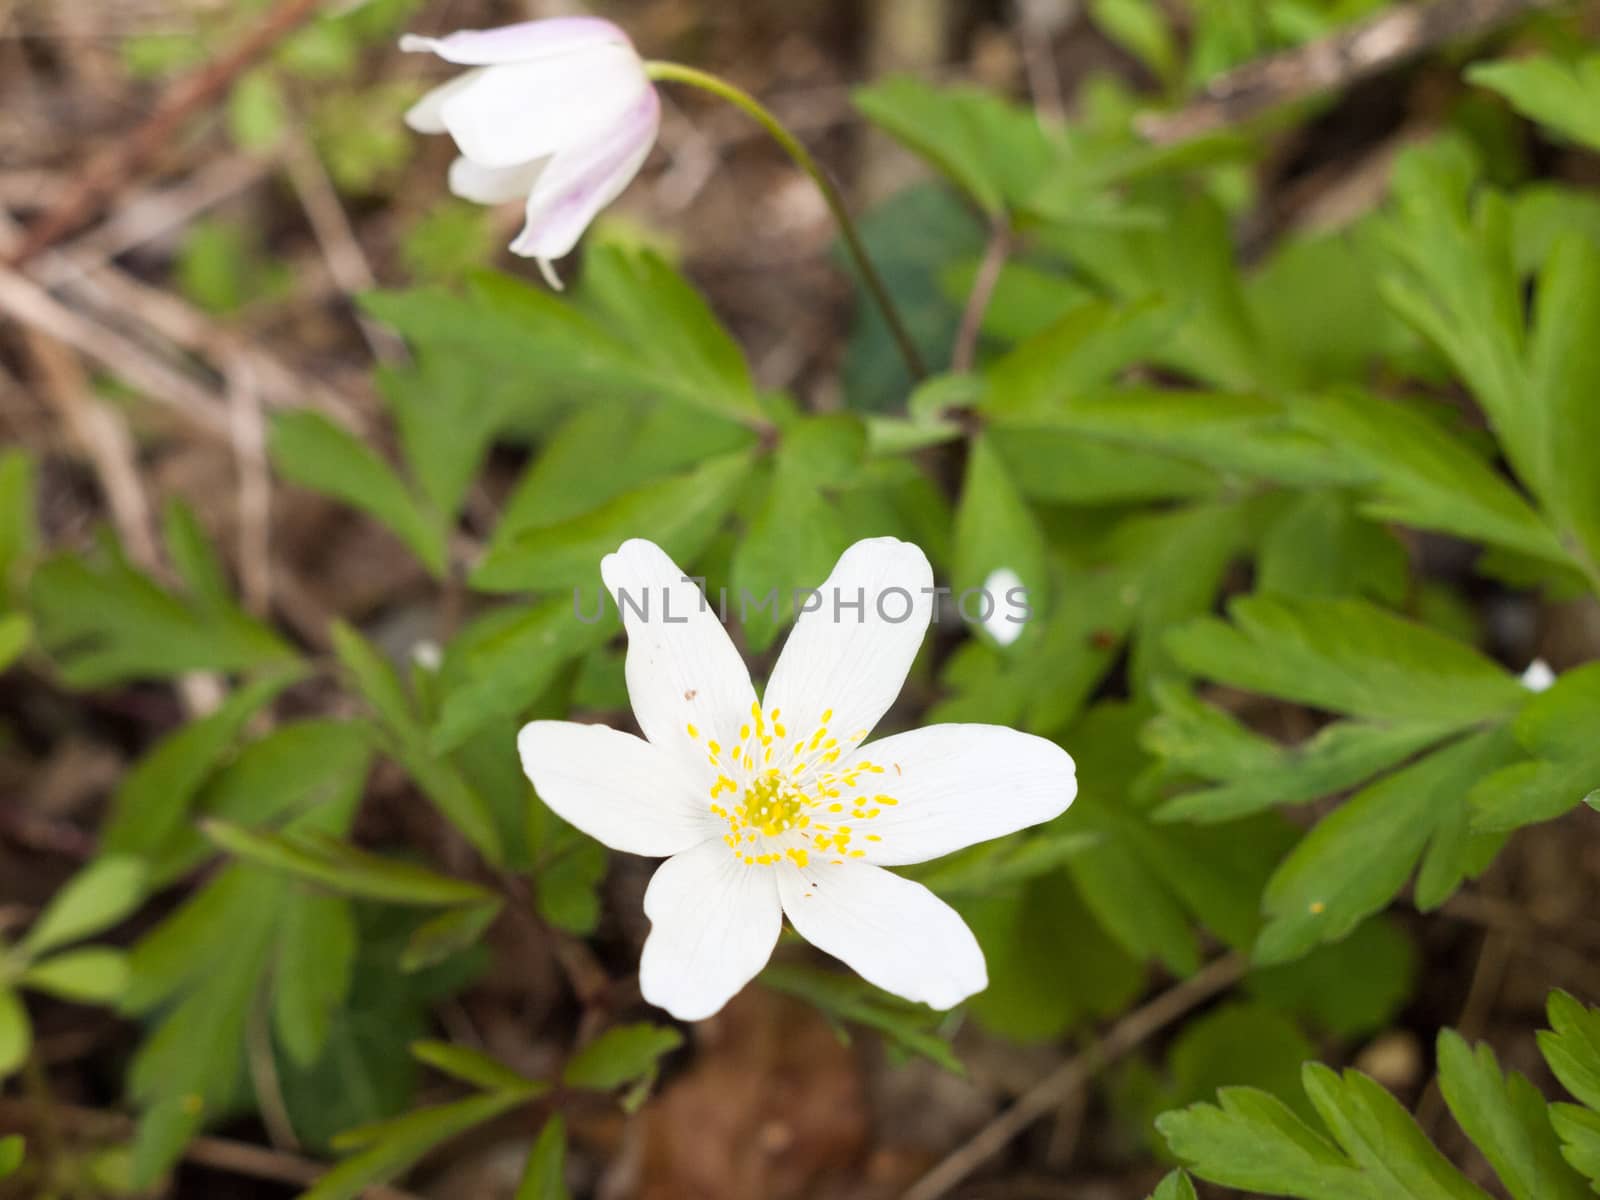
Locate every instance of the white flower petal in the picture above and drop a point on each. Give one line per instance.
(582, 180)
(493, 185)
(617, 788)
(713, 923)
(955, 785)
(892, 932)
(522, 42)
(1001, 621)
(512, 114)
(852, 660)
(1538, 677)
(682, 668)
(427, 114)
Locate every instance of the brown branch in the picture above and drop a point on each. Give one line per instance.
(125, 160)
(1333, 63)
(1048, 1094)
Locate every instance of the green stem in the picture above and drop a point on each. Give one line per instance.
(678, 73)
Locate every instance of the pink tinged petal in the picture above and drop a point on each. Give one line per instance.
(682, 668)
(581, 181)
(427, 114)
(493, 185)
(955, 785)
(853, 660)
(617, 788)
(523, 42)
(713, 924)
(515, 113)
(892, 932)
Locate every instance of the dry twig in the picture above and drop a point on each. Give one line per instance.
(130, 155)
(1047, 1095)
(1333, 63)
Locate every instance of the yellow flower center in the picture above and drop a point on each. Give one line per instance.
(788, 798)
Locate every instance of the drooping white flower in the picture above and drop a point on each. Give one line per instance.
(1538, 677)
(1000, 620)
(557, 111)
(779, 806)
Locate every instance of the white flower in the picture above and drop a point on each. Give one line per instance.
(774, 807)
(559, 111)
(999, 621)
(1538, 677)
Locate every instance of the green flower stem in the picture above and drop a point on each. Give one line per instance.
(670, 72)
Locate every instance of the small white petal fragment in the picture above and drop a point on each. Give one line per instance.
(892, 932)
(849, 656)
(956, 785)
(617, 788)
(1001, 622)
(713, 924)
(682, 668)
(1538, 677)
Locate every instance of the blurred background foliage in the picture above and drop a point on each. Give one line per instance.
(1282, 399)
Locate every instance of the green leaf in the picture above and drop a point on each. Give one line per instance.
(476, 1068)
(91, 975)
(107, 623)
(1249, 773)
(1505, 1117)
(309, 449)
(1352, 987)
(1424, 476)
(1572, 1047)
(1348, 656)
(96, 898)
(16, 1033)
(620, 1055)
(1141, 30)
(343, 868)
(1555, 727)
(311, 979)
(543, 1177)
(19, 533)
(1175, 1186)
(1081, 352)
(152, 802)
(1355, 859)
(1563, 95)
(1579, 1130)
(447, 934)
(1051, 964)
(681, 514)
(1239, 1045)
(792, 542)
(993, 150)
(395, 1146)
(1564, 362)
(16, 631)
(1252, 1141)
(499, 666)
(164, 1129)
(1318, 546)
(994, 529)
(408, 741)
(847, 998)
(671, 330)
(12, 1151)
